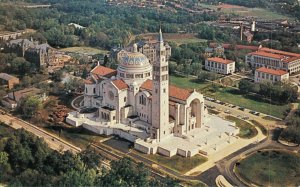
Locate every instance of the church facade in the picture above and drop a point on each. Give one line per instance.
(138, 96)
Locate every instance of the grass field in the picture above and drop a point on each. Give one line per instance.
(245, 12)
(76, 135)
(271, 168)
(231, 96)
(84, 50)
(175, 37)
(177, 163)
(251, 102)
(247, 130)
(187, 82)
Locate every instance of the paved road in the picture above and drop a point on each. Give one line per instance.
(53, 141)
(226, 166)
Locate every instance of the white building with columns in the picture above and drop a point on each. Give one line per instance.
(137, 103)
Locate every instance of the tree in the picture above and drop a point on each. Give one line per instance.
(246, 86)
(90, 158)
(29, 106)
(57, 76)
(5, 168)
(83, 177)
(196, 69)
(105, 60)
(84, 73)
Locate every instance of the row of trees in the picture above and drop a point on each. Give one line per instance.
(292, 132)
(280, 93)
(26, 160)
(105, 25)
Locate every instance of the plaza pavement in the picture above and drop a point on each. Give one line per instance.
(231, 148)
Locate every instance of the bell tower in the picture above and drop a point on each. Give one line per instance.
(160, 93)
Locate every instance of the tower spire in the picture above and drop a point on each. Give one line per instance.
(160, 35)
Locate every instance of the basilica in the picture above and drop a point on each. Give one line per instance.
(136, 102)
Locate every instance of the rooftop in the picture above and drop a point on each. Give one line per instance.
(284, 53)
(175, 92)
(120, 84)
(268, 55)
(220, 60)
(103, 71)
(6, 76)
(272, 71)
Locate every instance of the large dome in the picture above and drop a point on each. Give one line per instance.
(134, 59)
(134, 66)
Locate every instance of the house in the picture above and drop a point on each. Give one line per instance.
(12, 100)
(8, 80)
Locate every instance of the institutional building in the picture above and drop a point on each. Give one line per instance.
(146, 47)
(272, 75)
(220, 65)
(38, 54)
(275, 59)
(137, 103)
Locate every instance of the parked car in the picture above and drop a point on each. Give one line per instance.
(245, 118)
(242, 109)
(227, 112)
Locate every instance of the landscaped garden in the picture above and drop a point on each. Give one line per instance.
(271, 168)
(232, 96)
(246, 129)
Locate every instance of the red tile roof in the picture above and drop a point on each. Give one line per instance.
(88, 81)
(220, 60)
(291, 59)
(284, 53)
(272, 71)
(120, 84)
(175, 92)
(238, 47)
(268, 55)
(102, 71)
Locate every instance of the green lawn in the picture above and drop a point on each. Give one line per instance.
(187, 82)
(251, 102)
(271, 168)
(260, 126)
(176, 163)
(246, 129)
(231, 96)
(84, 50)
(75, 135)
